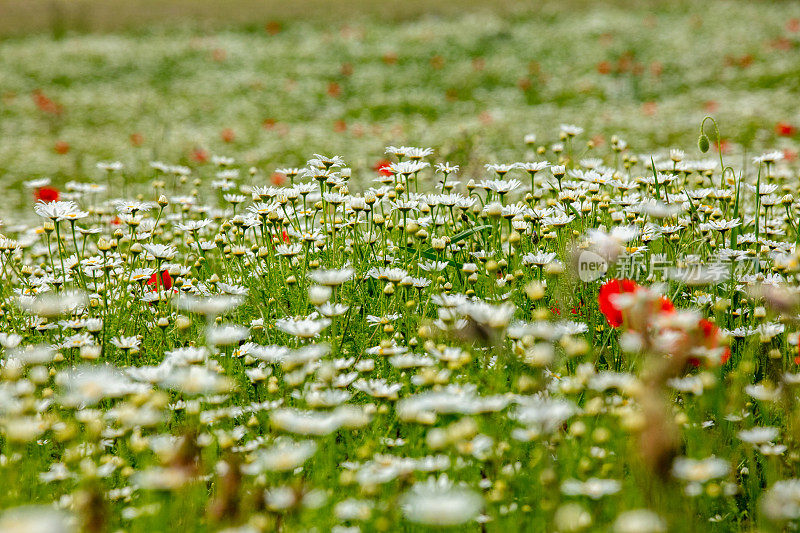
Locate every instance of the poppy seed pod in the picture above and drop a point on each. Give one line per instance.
(703, 143)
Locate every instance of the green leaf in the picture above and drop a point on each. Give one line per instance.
(430, 253)
(464, 234)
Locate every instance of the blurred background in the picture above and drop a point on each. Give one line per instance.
(270, 83)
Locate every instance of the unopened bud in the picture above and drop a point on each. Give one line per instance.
(703, 143)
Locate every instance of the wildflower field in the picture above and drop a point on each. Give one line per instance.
(511, 270)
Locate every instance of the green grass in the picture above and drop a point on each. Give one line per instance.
(165, 85)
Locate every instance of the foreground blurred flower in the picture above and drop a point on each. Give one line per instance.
(594, 488)
(283, 456)
(782, 501)
(35, 519)
(639, 521)
(700, 471)
(51, 305)
(439, 503)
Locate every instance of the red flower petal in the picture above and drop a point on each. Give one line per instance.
(607, 290)
(166, 280)
(47, 194)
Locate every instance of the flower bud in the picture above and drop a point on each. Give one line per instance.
(703, 143)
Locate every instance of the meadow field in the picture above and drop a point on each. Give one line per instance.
(379, 267)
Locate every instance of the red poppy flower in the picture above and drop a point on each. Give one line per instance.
(285, 237)
(711, 337)
(61, 147)
(784, 129)
(219, 54)
(382, 167)
(607, 290)
(47, 194)
(277, 179)
(166, 280)
(199, 155)
(228, 135)
(649, 108)
(334, 89)
(46, 104)
(273, 27)
(665, 305)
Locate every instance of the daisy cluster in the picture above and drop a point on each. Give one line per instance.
(582, 339)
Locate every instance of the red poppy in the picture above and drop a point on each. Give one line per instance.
(47, 194)
(285, 237)
(656, 68)
(524, 84)
(61, 147)
(784, 129)
(607, 290)
(277, 179)
(199, 155)
(437, 62)
(649, 108)
(711, 338)
(166, 280)
(273, 27)
(45, 104)
(665, 305)
(334, 89)
(228, 135)
(746, 60)
(382, 167)
(782, 43)
(604, 67)
(137, 139)
(219, 54)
